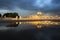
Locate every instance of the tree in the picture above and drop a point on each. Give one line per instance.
(0, 15)
(13, 15)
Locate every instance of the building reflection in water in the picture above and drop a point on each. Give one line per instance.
(38, 24)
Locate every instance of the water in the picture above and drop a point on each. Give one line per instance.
(31, 30)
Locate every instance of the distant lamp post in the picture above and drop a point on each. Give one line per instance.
(4, 16)
(20, 17)
(16, 17)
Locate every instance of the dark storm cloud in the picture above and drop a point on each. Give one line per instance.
(31, 5)
(26, 4)
(56, 1)
(23, 4)
(55, 5)
(5, 4)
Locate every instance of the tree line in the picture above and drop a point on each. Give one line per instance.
(12, 15)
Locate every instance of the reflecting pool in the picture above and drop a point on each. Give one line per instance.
(31, 30)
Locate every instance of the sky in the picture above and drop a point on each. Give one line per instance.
(28, 7)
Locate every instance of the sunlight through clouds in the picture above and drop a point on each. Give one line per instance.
(42, 3)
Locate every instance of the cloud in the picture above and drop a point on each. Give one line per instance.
(29, 6)
(56, 1)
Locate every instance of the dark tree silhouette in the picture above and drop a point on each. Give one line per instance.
(13, 15)
(0, 15)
